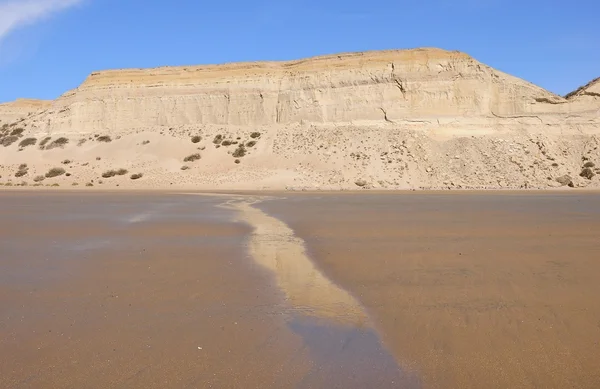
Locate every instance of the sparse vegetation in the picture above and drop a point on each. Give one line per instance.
(98, 158)
(75, 184)
(89, 184)
(81, 142)
(109, 173)
(226, 143)
(8, 140)
(55, 184)
(589, 164)
(23, 166)
(66, 162)
(145, 142)
(587, 173)
(255, 135)
(60, 142)
(28, 142)
(112, 173)
(39, 178)
(104, 138)
(68, 174)
(17, 132)
(21, 173)
(192, 158)
(218, 139)
(44, 142)
(237, 161)
(55, 172)
(239, 152)
(196, 139)
(251, 143)
(184, 167)
(136, 176)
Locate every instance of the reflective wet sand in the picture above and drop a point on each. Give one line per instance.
(142, 290)
(471, 290)
(172, 291)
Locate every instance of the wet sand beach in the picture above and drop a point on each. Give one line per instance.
(409, 290)
(471, 290)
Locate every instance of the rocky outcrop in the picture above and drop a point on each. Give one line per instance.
(591, 89)
(434, 89)
(21, 109)
(422, 118)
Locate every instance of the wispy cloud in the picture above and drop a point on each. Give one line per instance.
(19, 13)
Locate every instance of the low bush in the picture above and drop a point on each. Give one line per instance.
(184, 167)
(239, 152)
(255, 135)
(44, 142)
(39, 178)
(60, 142)
(28, 142)
(192, 158)
(196, 139)
(251, 143)
(8, 140)
(226, 143)
(109, 173)
(136, 176)
(104, 138)
(17, 132)
(66, 162)
(218, 139)
(122, 172)
(55, 172)
(21, 173)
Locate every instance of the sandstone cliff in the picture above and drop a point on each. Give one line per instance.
(20, 109)
(390, 119)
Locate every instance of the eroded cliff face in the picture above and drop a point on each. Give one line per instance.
(21, 109)
(423, 118)
(428, 86)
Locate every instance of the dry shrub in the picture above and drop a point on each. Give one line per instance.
(239, 152)
(27, 142)
(60, 142)
(55, 172)
(192, 158)
(8, 140)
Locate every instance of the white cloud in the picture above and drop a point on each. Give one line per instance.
(18, 13)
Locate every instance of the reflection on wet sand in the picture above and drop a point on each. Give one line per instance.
(274, 246)
(345, 349)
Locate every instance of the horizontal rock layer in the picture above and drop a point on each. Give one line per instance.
(429, 86)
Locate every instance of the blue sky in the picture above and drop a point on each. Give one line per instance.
(50, 46)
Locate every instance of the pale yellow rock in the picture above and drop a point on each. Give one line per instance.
(395, 119)
(20, 109)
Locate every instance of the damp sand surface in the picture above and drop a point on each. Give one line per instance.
(280, 290)
(157, 290)
(467, 290)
